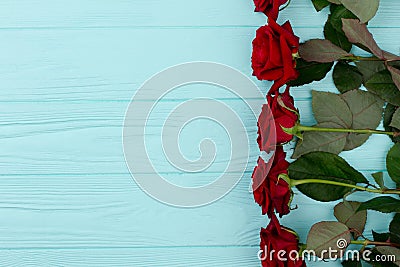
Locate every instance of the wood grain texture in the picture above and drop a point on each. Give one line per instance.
(68, 71)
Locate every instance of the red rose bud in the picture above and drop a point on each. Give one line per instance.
(273, 54)
(279, 246)
(285, 115)
(269, 7)
(271, 192)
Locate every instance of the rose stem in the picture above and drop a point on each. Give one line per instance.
(360, 188)
(367, 242)
(302, 128)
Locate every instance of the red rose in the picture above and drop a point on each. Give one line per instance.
(279, 246)
(269, 7)
(270, 192)
(266, 130)
(273, 50)
(285, 115)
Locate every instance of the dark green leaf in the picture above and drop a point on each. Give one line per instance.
(321, 50)
(378, 177)
(366, 109)
(320, 4)
(395, 123)
(346, 212)
(393, 163)
(380, 237)
(324, 236)
(374, 255)
(310, 71)
(389, 251)
(346, 77)
(382, 85)
(336, 37)
(387, 120)
(394, 229)
(382, 204)
(339, 12)
(324, 166)
(351, 263)
(369, 68)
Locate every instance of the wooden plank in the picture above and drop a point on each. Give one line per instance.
(110, 211)
(157, 13)
(161, 257)
(147, 257)
(75, 138)
(101, 65)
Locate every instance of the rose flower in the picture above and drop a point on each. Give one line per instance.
(274, 50)
(269, 7)
(279, 246)
(282, 113)
(270, 192)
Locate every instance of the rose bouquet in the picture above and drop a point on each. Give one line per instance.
(368, 94)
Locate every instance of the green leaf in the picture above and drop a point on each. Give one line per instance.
(395, 72)
(369, 68)
(337, 14)
(366, 110)
(382, 85)
(328, 236)
(380, 237)
(346, 77)
(346, 212)
(330, 107)
(324, 166)
(389, 251)
(395, 122)
(321, 50)
(378, 177)
(336, 37)
(381, 204)
(310, 71)
(358, 33)
(390, 110)
(351, 263)
(393, 163)
(363, 9)
(394, 229)
(320, 4)
(321, 141)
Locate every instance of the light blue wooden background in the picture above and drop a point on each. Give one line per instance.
(68, 69)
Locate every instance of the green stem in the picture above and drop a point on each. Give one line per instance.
(302, 128)
(358, 58)
(357, 187)
(370, 242)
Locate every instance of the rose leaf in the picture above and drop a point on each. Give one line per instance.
(346, 77)
(320, 50)
(381, 204)
(363, 9)
(381, 84)
(346, 212)
(393, 163)
(358, 33)
(320, 4)
(366, 109)
(395, 75)
(324, 166)
(328, 236)
(310, 71)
